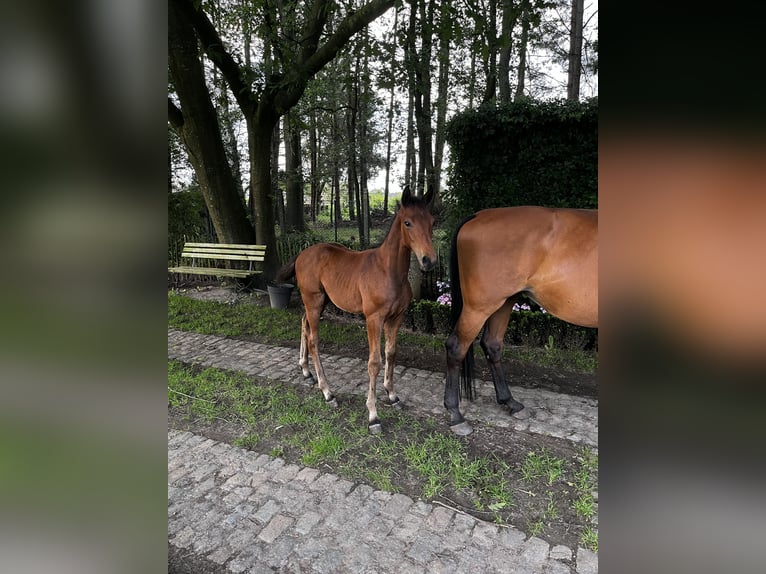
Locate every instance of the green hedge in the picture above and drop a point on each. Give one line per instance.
(528, 328)
(523, 153)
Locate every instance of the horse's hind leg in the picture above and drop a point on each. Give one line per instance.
(492, 344)
(390, 329)
(462, 336)
(312, 319)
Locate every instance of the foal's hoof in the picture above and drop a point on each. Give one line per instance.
(375, 428)
(396, 403)
(309, 380)
(461, 429)
(332, 402)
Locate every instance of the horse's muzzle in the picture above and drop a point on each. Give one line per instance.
(426, 264)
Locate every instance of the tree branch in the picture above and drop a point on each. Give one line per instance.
(296, 80)
(350, 25)
(314, 26)
(175, 115)
(215, 50)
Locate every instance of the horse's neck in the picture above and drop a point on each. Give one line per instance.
(393, 253)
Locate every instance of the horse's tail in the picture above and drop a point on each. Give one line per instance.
(467, 383)
(287, 272)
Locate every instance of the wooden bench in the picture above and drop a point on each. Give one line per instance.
(211, 252)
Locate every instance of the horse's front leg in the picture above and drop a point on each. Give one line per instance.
(390, 329)
(373, 368)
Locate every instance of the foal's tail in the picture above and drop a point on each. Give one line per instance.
(467, 383)
(287, 272)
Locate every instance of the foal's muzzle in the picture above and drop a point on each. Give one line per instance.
(426, 264)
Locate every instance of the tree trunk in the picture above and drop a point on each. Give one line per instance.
(522, 68)
(293, 174)
(423, 101)
(575, 51)
(506, 43)
(389, 133)
(445, 24)
(365, 151)
(260, 130)
(336, 128)
(410, 59)
(197, 126)
(314, 175)
(491, 62)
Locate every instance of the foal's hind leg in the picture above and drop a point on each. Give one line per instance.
(312, 319)
(492, 343)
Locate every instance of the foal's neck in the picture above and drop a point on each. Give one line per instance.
(393, 252)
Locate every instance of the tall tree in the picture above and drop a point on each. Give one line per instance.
(421, 68)
(298, 58)
(506, 45)
(491, 51)
(575, 50)
(521, 70)
(293, 173)
(446, 23)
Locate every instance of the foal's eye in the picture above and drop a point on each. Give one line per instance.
(407, 223)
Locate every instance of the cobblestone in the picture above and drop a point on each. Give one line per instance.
(249, 512)
(545, 412)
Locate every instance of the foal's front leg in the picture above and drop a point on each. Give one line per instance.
(390, 329)
(373, 368)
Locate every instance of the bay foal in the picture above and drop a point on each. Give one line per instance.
(372, 282)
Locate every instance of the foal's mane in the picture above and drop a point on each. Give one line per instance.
(413, 202)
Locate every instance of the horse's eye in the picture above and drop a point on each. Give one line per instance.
(407, 223)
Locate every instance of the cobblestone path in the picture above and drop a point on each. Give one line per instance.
(241, 511)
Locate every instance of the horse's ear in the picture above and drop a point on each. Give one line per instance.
(429, 196)
(406, 195)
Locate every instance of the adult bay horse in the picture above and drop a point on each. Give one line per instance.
(549, 255)
(373, 282)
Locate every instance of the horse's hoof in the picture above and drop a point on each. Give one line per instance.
(515, 406)
(332, 402)
(461, 429)
(397, 404)
(375, 428)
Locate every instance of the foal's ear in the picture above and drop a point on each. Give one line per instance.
(429, 196)
(406, 195)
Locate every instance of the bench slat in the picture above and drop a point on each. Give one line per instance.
(214, 271)
(216, 248)
(206, 255)
(243, 246)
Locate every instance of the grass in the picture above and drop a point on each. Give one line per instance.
(541, 464)
(541, 469)
(280, 327)
(291, 423)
